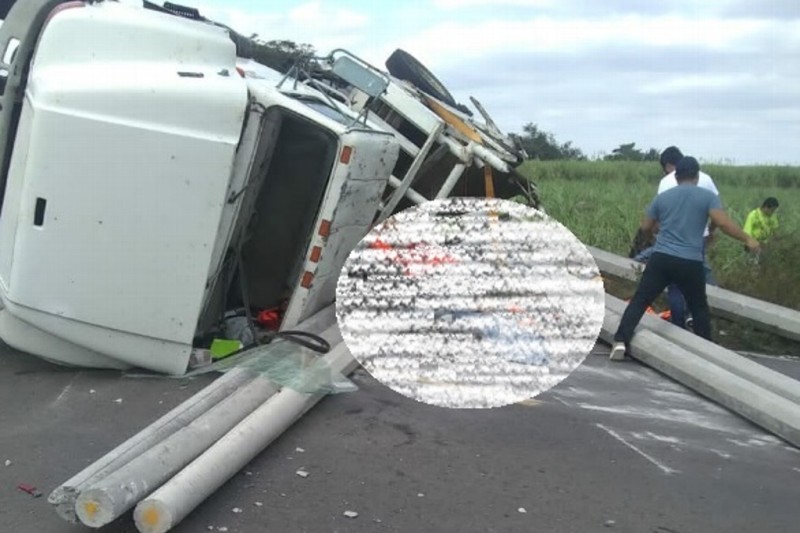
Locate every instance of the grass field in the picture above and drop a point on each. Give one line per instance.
(602, 203)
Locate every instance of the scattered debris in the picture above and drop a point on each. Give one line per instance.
(248, 473)
(522, 510)
(378, 521)
(420, 495)
(302, 473)
(30, 489)
(92, 391)
(258, 504)
(210, 528)
(236, 510)
(223, 529)
(283, 495)
(299, 450)
(200, 358)
(610, 523)
(350, 514)
(118, 400)
(8, 462)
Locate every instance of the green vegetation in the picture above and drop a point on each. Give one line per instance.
(603, 201)
(279, 55)
(542, 145)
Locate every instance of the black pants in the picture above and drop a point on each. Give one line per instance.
(663, 270)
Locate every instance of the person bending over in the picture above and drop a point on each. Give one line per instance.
(762, 222)
(678, 255)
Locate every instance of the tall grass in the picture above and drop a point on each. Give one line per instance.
(776, 177)
(602, 203)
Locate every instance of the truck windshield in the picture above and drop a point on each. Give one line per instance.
(324, 108)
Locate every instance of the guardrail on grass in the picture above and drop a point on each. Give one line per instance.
(763, 315)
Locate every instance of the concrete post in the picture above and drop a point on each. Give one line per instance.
(724, 303)
(768, 410)
(107, 499)
(758, 374)
(63, 497)
(171, 503)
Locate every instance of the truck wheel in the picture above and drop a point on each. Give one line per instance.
(403, 65)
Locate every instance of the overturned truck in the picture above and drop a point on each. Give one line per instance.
(155, 181)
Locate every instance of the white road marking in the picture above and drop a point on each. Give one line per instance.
(559, 400)
(649, 435)
(64, 391)
(664, 468)
(724, 455)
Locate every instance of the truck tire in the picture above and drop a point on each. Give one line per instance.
(403, 65)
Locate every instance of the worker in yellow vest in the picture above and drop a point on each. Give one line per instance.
(762, 222)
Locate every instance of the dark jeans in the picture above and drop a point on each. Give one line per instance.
(661, 271)
(677, 303)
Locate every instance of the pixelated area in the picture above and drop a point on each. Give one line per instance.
(470, 303)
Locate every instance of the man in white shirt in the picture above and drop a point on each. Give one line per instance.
(669, 158)
(677, 303)
(669, 181)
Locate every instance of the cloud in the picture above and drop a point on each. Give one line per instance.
(321, 24)
(719, 77)
(720, 103)
(439, 44)
(494, 4)
(313, 16)
(778, 9)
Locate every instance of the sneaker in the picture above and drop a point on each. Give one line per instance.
(617, 351)
(690, 324)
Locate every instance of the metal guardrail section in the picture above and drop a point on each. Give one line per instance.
(724, 303)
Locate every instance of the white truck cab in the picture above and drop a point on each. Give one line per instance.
(155, 179)
(148, 186)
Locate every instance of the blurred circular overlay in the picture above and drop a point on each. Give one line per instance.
(470, 302)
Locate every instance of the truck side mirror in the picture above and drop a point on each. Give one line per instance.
(360, 76)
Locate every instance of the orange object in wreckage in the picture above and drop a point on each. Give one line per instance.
(664, 315)
(270, 319)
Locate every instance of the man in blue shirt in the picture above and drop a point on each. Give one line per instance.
(678, 255)
(677, 304)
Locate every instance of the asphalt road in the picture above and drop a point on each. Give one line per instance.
(614, 448)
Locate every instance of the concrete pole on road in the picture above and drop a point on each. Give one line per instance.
(758, 374)
(64, 496)
(171, 503)
(109, 498)
(772, 412)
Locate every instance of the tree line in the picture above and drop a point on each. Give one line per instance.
(542, 145)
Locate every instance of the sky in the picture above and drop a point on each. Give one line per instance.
(718, 78)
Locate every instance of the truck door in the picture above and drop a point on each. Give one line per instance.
(127, 135)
